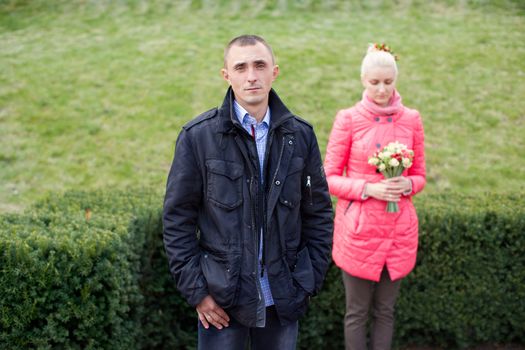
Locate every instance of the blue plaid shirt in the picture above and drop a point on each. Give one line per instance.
(261, 132)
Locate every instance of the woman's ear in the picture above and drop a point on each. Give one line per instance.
(363, 81)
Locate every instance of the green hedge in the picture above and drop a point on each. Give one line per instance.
(102, 283)
(468, 286)
(72, 283)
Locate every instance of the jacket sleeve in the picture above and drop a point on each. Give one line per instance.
(337, 153)
(417, 172)
(181, 203)
(316, 215)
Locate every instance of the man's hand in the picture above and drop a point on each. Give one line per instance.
(210, 312)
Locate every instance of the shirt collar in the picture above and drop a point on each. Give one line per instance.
(244, 117)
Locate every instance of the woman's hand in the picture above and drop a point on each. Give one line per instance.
(389, 190)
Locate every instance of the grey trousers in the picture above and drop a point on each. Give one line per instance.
(363, 296)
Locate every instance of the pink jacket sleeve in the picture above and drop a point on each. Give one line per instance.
(417, 172)
(337, 153)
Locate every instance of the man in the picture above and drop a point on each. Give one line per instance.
(247, 214)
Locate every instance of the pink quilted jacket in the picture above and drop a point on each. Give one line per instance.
(366, 237)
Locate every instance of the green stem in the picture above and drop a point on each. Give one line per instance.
(392, 207)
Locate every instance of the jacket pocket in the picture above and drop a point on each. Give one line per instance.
(221, 272)
(224, 187)
(291, 193)
(303, 272)
(352, 217)
(348, 206)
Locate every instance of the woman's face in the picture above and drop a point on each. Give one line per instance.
(379, 83)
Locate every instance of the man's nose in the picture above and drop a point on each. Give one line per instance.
(252, 76)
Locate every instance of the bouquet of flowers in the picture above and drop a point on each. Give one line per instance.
(391, 161)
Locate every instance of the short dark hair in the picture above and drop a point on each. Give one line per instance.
(247, 40)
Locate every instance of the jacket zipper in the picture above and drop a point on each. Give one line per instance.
(263, 223)
(254, 189)
(309, 186)
(258, 235)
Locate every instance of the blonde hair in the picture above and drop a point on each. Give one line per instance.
(377, 58)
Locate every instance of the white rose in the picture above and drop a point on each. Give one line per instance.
(407, 163)
(385, 155)
(393, 162)
(382, 167)
(373, 161)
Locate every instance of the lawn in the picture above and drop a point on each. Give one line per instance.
(93, 93)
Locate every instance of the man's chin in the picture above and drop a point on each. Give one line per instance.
(254, 100)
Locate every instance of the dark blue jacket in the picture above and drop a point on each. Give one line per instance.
(215, 207)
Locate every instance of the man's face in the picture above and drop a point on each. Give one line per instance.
(250, 71)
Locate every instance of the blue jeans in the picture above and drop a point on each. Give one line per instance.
(237, 337)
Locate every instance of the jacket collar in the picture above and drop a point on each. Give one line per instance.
(372, 111)
(281, 115)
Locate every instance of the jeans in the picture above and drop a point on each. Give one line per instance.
(239, 337)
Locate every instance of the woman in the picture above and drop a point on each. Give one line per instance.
(374, 248)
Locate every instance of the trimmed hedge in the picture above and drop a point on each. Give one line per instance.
(88, 271)
(68, 282)
(469, 284)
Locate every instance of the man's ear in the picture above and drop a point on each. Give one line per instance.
(275, 72)
(225, 75)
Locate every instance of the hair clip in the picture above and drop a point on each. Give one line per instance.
(385, 48)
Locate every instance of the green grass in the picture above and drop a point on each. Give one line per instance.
(93, 93)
